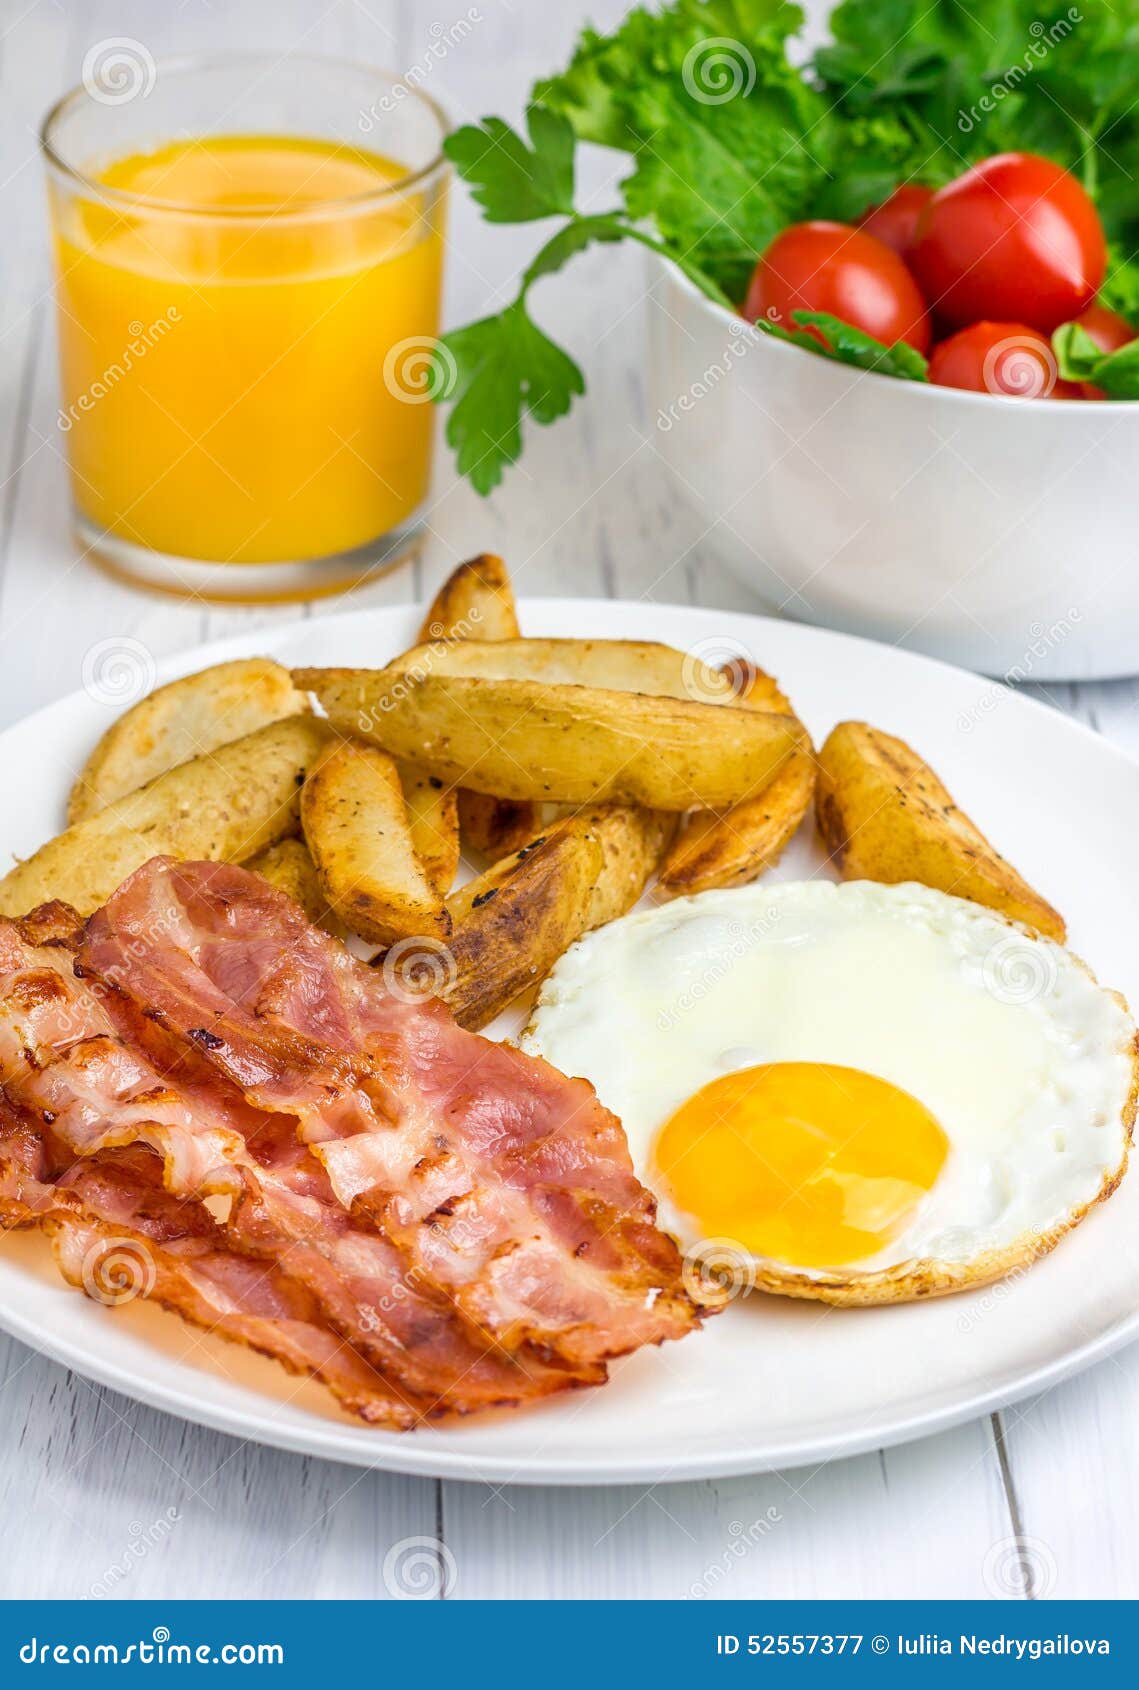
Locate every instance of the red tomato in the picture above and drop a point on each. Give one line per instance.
(1014, 239)
(1004, 358)
(1109, 331)
(833, 267)
(895, 221)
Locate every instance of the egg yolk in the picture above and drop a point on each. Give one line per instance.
(808, 1163)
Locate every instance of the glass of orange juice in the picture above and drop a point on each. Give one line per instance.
(249, 261)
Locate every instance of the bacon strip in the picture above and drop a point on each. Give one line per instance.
(75, 1053)
(508, 1186)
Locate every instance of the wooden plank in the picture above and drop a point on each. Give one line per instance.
(916, 1521)
(113, 1499)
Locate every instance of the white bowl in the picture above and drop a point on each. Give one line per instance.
(1001, 534)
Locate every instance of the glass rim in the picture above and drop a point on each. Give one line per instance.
(181, 64)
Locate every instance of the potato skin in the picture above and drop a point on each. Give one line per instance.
(433, 816)
(225, 807)
(512, 923)
(884, 815)
(736, 847)
(357, 827)
(476, 602)
(187, 718)
(526, 739)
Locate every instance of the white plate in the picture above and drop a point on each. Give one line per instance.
(770, 1383)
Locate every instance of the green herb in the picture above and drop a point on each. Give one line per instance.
(1080, 359)
(849, 345)
(730, 141)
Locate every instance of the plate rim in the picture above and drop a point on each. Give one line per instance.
(416, 1456)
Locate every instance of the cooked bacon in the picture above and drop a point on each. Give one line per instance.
(117, 1233)
(76, 1053)
(507, 1186)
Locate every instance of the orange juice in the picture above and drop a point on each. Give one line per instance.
(243, 348)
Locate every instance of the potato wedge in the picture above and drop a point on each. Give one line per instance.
(225, 807)
(357, 827)
(476, 602)
(633, 841)
(731, 849)
(737, 846)
(884, 814)
(530, 739)
(289, 867)
(512, 923)
(643, 666)
(433, 816)
(187, 718)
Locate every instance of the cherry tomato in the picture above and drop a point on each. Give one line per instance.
(1109, 331)
(835, 268)
(895, 221)
(1014, 239)
(1011, 359)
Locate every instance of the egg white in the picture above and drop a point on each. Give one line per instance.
(1026, 1062)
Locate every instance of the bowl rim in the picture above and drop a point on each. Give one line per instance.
(930, 392)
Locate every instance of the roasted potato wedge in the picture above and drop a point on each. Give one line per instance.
(731, 849)
(225, 806)
(187, 718)
(737, 846)
(537, 740)
(512, 923)
(433, 815)
(884, 815)
(643, 666)
(289, 867)
(357, 827)
(633, 841)
(476, 602)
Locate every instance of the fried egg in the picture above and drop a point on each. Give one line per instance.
(855, 1092)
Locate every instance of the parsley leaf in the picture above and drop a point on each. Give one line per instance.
(848, 345)
(1080, 359)
(495, 371)
(513, 182)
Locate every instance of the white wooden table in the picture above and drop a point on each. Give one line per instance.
(85, 1475)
